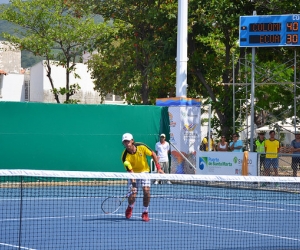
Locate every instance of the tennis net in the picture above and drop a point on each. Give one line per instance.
(63, 210)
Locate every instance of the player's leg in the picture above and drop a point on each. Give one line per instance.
(267, 172)
(131, 199)
(294, 166)
(267, 167)
(146, 199)
(275, 164)
(261, 163)
(167, 170)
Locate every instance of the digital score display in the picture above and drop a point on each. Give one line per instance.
(269, 31)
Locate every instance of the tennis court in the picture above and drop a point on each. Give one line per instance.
(193, 213)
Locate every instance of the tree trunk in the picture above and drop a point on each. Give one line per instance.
(51, 80)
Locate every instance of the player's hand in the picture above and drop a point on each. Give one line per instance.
(161, 171)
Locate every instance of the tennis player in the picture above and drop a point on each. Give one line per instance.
(134, 158)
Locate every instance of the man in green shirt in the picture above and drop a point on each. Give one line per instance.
(260, 149)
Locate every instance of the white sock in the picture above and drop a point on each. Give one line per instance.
(145, 209)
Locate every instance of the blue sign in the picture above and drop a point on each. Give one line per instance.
(270, 31)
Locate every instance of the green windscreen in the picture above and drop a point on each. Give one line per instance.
(74, 137)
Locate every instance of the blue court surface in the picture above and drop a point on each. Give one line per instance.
(194, 217)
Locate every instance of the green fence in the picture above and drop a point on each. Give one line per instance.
(74, 137)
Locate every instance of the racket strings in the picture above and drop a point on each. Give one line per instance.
(111, 205)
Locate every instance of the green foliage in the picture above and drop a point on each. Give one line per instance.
(135, 59)
(55, 30)
(28, 59)
(71, 91)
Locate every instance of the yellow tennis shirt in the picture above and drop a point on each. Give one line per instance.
(272, 147)
(138, 160)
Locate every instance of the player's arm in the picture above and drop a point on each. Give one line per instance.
(155, 159)
(292, 149)
(233, 146)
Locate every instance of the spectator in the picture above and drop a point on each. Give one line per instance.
(223, 144)
(205, 143)
(295, 149)
(236, 145)
(162, 149)
(260, 149)
(271, 148)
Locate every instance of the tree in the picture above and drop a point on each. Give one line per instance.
(56, 31)
(139, 59)
(213, 40)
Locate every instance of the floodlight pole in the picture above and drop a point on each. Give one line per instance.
(209, 127)
(182, 39)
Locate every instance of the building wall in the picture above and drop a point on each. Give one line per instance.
(40, 87)
(10, 58)
(12, 88)
(37, 76)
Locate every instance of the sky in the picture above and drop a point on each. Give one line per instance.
(4, 1)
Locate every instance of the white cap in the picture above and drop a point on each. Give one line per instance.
(127, 137)
(163, 135)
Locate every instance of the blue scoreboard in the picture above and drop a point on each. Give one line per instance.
(269, 31)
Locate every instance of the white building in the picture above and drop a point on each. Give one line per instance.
(11, 75)
(41, 90)
(10, 58)
(33, 85)
(12, 88)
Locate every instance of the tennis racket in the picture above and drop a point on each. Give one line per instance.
(112, 204)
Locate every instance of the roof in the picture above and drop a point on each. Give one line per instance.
(2, 72)
(286, 126)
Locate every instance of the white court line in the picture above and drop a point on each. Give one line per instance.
(52, 217)
(205, 199)
(214, 212)
(230, 199)
(170, 221)
(231, 229)
(104, 215)
(14, 246)
(223, 228)
(52, 198)
(239, 205)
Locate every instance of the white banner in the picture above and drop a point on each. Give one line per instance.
(224, 163)
(185, 133)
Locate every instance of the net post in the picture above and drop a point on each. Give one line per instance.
(245, 164)
(21, 210)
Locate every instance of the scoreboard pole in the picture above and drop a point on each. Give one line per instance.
(252, 96)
